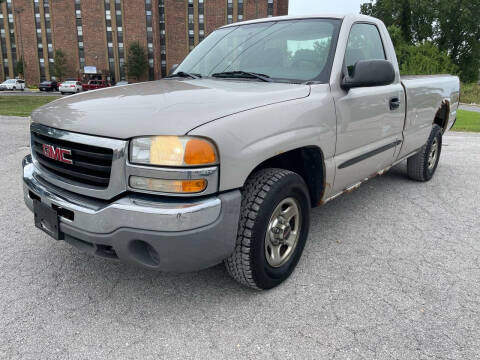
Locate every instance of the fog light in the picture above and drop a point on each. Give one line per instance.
(168, 186)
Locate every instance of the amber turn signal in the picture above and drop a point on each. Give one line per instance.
(199, 152)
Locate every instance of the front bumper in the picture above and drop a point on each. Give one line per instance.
(160, 233)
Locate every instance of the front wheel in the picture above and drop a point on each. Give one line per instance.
(422, 165)
(273, 229)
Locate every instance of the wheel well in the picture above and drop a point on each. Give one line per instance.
(441, 117)
(307, 162)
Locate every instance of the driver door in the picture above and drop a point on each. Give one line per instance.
(368, 130)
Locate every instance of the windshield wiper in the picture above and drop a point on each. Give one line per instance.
(242, 74)
(184, 74)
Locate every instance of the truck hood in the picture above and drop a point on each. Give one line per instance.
(164, 107)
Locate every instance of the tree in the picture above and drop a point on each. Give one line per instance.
(451, 25)
(458, 31)
(137, 64)
(19, 66)
(59, 64)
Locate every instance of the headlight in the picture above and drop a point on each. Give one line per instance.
(172, 151)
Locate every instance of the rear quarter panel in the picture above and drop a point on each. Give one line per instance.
(425, 96)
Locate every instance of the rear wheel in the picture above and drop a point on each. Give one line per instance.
(273, 229)
(422, 165)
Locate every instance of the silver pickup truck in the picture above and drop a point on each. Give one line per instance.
(224, 159)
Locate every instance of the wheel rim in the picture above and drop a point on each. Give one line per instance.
(283, 232)
(433, 155)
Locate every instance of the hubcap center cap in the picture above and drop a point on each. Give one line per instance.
(280, 233)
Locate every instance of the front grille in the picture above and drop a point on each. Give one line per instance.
(91, 165)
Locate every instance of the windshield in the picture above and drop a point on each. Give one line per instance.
(11, 81)
(293, 51)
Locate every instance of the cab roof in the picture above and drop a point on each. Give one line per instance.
(356, 17)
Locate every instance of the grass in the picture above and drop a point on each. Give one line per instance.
(467, 121)
(470, 94)
(22, 105)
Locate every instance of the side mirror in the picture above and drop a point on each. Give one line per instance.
(172, 69)
(368, 73)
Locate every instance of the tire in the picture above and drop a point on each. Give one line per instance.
(265, 193)
(422, 165)
(14, 88)
(62, 93)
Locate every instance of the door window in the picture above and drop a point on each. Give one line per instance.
(364, 43)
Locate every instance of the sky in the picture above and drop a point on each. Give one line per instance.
(302, 7)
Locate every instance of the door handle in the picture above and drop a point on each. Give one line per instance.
(394, 103)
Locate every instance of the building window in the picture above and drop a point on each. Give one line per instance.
(240, 10)
(148, 14)
(3, 45)
(81, 50)
(119, 24)
(191, 25)
(229, 11)
(48, 29)
(270, 8)
(163, 49)
(38, 25)
(108, 21)
(201, 21)
(7, 32)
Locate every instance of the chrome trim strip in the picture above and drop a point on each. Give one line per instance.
(130, 211)
(117, 183)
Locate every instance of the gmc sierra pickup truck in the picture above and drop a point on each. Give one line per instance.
(224, 159)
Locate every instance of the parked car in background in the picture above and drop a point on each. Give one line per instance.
(48, 85)
(13, 84)
(71, 87)
(95, 84)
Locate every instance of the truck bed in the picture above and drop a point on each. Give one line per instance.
(424, 95)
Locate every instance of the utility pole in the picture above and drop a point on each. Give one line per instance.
(19, 12)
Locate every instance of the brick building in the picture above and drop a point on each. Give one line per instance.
(98, 33)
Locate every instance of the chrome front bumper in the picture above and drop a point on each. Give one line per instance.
(160, 233)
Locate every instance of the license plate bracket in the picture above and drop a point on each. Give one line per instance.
(47, 220)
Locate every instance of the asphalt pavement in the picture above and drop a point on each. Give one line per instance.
(390, 271)
(474, 108)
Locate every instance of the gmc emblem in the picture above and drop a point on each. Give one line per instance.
(56, 153)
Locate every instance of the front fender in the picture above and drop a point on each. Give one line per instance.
(249, 138)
